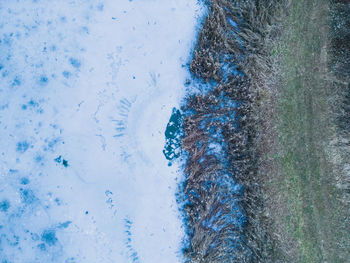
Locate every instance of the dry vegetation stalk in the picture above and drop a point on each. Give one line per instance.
(226, 224)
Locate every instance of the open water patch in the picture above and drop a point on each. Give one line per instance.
(173, 135)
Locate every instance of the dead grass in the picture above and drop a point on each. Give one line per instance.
(289, 153)
(220, 49)
(308, 214)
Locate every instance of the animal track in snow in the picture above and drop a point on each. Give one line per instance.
(121, 122)
(131, 251)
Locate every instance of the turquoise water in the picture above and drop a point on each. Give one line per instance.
(173, 136)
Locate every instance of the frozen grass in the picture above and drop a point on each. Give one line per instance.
(231, 62)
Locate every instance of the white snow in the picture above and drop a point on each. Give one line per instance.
(92, 85)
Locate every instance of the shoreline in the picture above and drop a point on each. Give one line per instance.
(283, 154)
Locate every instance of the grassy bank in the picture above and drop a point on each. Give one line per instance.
(277, 71)
(306, 209)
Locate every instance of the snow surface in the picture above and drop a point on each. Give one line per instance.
(86, 91)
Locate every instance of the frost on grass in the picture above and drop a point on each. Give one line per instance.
(221, 195)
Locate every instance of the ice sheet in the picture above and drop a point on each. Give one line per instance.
(86, 91)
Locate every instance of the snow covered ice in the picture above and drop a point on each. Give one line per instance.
(86, 91)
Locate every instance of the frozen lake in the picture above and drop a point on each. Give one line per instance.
(86, 91)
